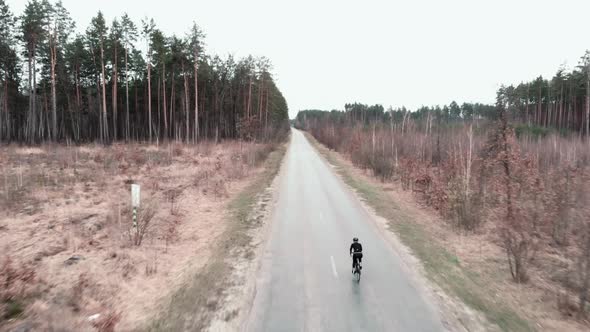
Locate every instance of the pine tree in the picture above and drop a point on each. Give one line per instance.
(148, 28)
(9, 69)
(231, 97)
(60, 28)
(195, 42)
(115, 39)
(32, 27)
(129, 37)
(97, 34)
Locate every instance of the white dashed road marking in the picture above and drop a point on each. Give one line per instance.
(334, 267)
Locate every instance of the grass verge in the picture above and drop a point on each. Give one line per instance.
(441, 266)
(192, 306)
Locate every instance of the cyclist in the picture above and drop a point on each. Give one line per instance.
(356, 251)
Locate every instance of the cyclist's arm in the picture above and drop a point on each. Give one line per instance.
(361, 247)
(351, 248)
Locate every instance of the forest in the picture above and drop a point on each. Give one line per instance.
(517, 171)
(126, 80)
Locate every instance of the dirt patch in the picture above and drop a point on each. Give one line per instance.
(239, 296)
(65, 213)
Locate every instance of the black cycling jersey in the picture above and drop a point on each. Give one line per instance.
(356, 250)
(356, 247)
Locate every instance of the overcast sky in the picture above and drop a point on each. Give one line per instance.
(326, 53)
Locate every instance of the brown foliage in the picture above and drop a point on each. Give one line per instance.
(75, 299)
(516, 186)
(145, 215)
(16, 280)
(532, 193)
(561, 198)
(16, 284)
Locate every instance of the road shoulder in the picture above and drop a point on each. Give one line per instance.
(216, 298)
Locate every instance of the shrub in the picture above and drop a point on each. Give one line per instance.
(562, 205)
(382, 167)
(516, 182)
(144, 220)
(16, 284)
(77, 292)
(532, 131)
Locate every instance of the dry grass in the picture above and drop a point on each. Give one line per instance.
(65, 215)
(193, 306)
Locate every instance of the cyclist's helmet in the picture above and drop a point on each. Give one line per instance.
(356, 239)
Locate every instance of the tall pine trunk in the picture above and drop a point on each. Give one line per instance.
(150, 99)
(31, 129)
(126, 96)
(172, 100)
(266, 116)
(35, 122)
(114, 96)
(53, 53)
(196, 97)
(105, 125)
(588, 101)
(249, 98)
(164, 99)
(186, 104)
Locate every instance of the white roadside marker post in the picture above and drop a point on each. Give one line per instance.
(135, 200)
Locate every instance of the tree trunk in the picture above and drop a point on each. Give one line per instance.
(30, 122)
(53, 54)
(35, 129)
(150, 100)
(560, 119)
(137, 120)
(260, 89)
(215, 112)
(249, 98)
(588, 101)
(126, 96)
(104, 95)
(528, 115)
(196, 138)
(186, 105)
(164, 99)
(115, 79)
(3, 93)
(172, 99)
(159, 101)
(266, 116)
(549, 115)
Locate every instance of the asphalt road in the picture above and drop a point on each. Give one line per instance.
(305, 281)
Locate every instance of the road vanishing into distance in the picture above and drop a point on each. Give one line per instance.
(305, 281)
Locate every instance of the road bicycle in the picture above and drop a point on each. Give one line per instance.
(357, 270)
